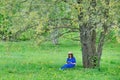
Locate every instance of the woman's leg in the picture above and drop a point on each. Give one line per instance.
(67, 66)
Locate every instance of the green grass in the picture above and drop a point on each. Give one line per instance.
(26, 61)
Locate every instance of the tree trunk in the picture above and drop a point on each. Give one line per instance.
(54, 36)
(88, 44)
(101, 43)
(91, 55)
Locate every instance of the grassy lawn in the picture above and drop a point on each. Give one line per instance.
(26, 61)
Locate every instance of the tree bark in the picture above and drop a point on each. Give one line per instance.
(101, 43)
(88, 38)
(88, 44)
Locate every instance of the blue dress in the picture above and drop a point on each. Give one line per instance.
(70, 63)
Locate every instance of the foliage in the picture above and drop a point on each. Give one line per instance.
(17, 18)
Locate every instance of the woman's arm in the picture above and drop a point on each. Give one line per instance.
(73, 61)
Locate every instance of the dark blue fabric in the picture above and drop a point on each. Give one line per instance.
(69, 60)
(69, 64)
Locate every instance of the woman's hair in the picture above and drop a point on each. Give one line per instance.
(70, 53)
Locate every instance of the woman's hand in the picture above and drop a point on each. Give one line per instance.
(70, 63)
(73, 63)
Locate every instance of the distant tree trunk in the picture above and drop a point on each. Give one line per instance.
(54, 36)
